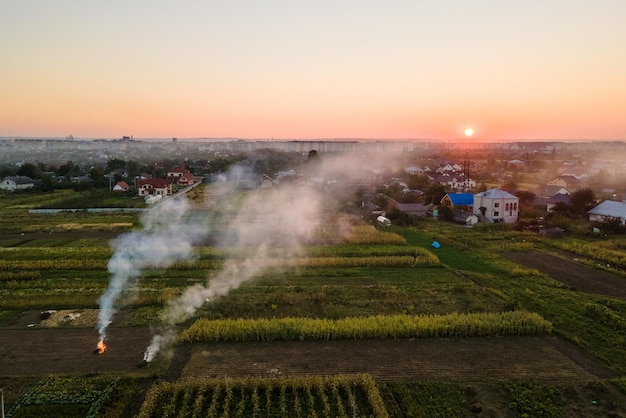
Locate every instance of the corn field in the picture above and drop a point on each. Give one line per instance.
(304, 396)
(609, 252)
(511, 323)
(326, 257)
(83, 264)
(6, 276)
(368, 234)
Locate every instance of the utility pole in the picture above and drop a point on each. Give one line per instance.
(466, 172)
(2, 401)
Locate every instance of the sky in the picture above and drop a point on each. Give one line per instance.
(510, 70)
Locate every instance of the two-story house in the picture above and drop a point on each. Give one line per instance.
(496, 205)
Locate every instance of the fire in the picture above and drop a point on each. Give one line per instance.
(101, 347)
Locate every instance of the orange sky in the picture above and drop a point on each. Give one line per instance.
(277, 69)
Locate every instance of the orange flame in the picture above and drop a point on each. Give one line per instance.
(101, 347)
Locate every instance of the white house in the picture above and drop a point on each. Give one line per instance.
(497, 206)
(154, 186)
(13, 183)
(121, 186)
(181, 176)
(607, 210)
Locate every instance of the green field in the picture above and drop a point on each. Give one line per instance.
(357, 278)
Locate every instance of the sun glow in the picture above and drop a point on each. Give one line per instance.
(469, 132)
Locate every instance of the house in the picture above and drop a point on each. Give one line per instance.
(13, 183)
(414, 171)
(416, 209)
(154, 186)
(119, 172)
(497, 206)
(266, 183)
(568, 182)
(548, 190)
(516, 163)
(454, 180)
(558, 198)
(81, 179)
(458, 200)
(121, 186)
(464, 217)
(609, 209)
(180, 176)
(446, 167)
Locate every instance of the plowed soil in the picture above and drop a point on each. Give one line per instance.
(29, 352)
(564, 268)
(437, 359)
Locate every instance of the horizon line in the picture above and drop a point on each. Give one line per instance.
(351, 139)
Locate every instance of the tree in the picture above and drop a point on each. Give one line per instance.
(29, 170)
(97, 175)
(47, 183)
(612, 225)
(445, 213)
(68, 169)
(562, 209)
(434, 193)
(133, 167)
(394, 191)
(510, 183)
(526, 198)
(582, 201)
(114, 164)
(417, 181)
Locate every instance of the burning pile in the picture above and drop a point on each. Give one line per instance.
(101, 347)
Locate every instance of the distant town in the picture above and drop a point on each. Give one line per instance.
(396, 180)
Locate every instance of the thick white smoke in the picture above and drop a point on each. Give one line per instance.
(167, 236)
(158, 341)
(266, 229)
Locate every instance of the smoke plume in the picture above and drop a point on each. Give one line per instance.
(265, 229)
(167, 236)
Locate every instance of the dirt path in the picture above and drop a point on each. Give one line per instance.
(571, 273)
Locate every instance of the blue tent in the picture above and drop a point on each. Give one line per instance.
(435, 244)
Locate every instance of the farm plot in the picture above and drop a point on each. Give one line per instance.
(573, 274)
(437, 359)
(311, 396)
(44, 351)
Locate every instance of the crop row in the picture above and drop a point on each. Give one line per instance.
(362, 250)
(511, 323)
(415, 258)
(42, 253)
(425, 259)
(307, 396)
(367, 234)
(48, 264)
(6, 276)
(615, 257)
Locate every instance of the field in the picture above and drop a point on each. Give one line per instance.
(574, 367)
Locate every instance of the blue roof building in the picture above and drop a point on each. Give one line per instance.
(453, 200)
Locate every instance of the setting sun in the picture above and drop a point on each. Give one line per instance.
(469, 132)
